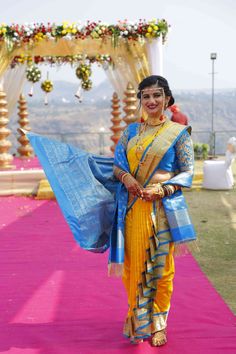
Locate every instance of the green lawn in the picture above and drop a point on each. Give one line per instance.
(214, 216)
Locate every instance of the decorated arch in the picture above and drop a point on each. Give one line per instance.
(128, 51)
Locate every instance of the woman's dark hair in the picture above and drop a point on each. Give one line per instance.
(160, 82)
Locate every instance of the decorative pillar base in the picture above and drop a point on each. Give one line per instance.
(130, 107)
(116, 120)
(5, 162)
(25, 150)
(5, 144)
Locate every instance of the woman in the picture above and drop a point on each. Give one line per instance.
(152, 161)
(140, 214)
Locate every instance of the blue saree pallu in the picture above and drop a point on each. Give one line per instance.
(84, 188)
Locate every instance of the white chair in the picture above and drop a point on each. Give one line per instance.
(218, 174)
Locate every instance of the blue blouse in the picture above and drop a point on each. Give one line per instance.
(179, 158)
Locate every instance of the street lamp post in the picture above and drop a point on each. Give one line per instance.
(213, 58)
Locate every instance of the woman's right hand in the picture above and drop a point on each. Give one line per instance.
(133, 186)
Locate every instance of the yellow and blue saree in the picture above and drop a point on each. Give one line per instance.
(140, 236)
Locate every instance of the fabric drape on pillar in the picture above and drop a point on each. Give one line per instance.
(155, 56)
(116, 80)
(13, 82)
(6, 56)
(131, 64)
(134, 62)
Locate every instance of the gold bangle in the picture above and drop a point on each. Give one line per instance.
(120, 174)
(123, 176)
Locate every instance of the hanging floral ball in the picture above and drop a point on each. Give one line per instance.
(83, 71)
(33, 74)
(87, 85)
(47, 86)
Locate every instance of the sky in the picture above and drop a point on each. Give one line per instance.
(198, 27)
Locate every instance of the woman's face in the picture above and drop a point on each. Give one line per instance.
(153, 100)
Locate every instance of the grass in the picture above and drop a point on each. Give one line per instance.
(214, 216)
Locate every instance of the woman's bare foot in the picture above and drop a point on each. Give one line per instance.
(159, 338)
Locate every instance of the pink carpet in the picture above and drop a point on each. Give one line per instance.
(26, 164)
(56, 298)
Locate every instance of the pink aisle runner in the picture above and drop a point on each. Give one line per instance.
(56, 298)
(31, 163)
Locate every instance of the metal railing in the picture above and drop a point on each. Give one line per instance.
(100, 142)
(94, 142)
(217, 139)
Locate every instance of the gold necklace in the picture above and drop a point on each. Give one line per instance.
(161, 120)
(140, 144)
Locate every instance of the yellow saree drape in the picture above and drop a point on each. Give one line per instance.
(148, 265)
